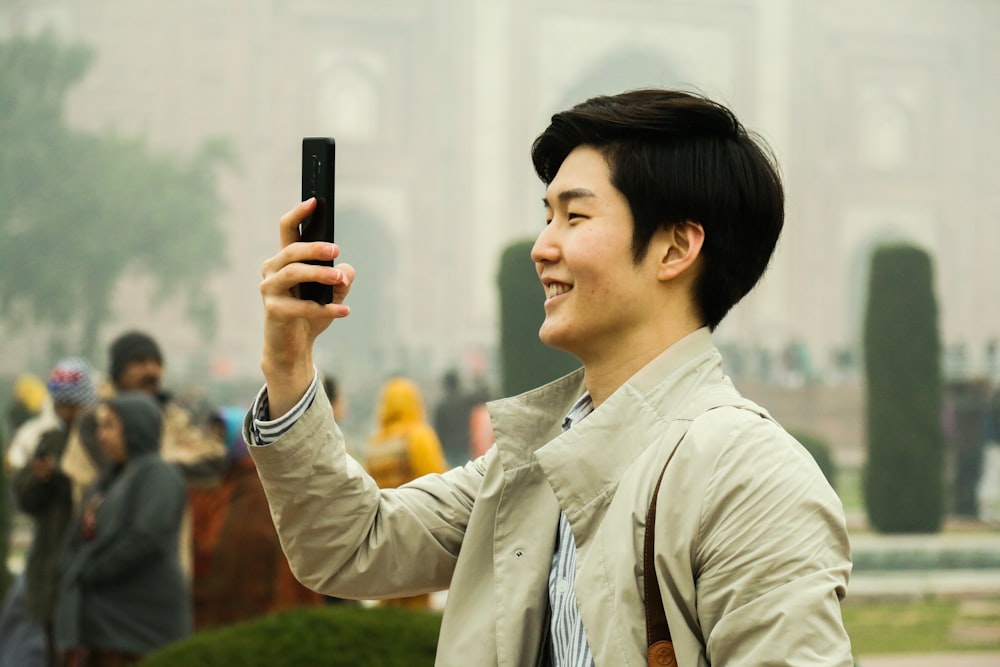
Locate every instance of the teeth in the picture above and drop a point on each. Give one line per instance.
(555, 289)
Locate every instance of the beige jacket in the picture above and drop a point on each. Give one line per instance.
(752, 550)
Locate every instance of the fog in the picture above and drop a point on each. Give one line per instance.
(882, 115)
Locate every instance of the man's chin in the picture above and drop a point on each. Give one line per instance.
(553, 339)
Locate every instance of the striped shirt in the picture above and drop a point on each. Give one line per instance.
(264, 431)
(569, 639)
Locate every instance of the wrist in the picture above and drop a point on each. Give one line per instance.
(286, 385)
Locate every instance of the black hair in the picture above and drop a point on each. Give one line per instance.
(676, 157)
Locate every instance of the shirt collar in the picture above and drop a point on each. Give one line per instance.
(583, 407)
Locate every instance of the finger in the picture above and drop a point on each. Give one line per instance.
(290, 221)
(317, 251)
(343, 279)
(289, 308)
(283, 281)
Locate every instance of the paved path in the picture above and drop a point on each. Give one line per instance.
(933, 660)
(921, 585)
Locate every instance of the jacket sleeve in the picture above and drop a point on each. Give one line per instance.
(344, 536)
(34, 495)
(772, 558)
(156, 500)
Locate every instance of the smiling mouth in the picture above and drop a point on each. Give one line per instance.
(555, 289)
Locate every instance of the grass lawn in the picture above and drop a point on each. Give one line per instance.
(923, 626)
(914, 626)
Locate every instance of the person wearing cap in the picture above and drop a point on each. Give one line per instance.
(44, 490)
(135, 363)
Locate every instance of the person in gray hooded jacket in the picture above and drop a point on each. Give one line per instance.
(123, 593)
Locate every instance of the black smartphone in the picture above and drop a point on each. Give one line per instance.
(318, 160)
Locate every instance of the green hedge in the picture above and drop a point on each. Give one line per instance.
(526, 362)
(334, 636)
(904, 475)
(820, 451)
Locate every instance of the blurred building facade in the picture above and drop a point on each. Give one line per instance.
(881, 115)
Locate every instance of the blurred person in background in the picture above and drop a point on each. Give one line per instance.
(240, 572)
(338, 402)
(965, 412)
(44, 491)
(988, 491)
(21, 640)
(123, 593)
(451, 419)
(403, 448)
(30, 414)
(27, 400)
(480, 431)
(136, 364)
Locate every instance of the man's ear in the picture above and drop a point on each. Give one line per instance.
(679, 247)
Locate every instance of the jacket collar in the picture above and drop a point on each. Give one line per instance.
(588, 460)
(523, 423)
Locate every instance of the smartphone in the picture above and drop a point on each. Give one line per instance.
(318, 159)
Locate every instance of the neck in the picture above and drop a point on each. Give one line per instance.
(607, 370)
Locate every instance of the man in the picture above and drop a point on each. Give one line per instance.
(451, 419)
(136, 364)
(661, 213)
(44, 491)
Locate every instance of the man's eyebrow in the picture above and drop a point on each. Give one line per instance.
(569, 195)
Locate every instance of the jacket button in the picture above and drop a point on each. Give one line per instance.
(519, 553)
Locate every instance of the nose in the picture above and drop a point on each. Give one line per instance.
(545, 248)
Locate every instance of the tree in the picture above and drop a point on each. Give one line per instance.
(904, 476)
(81, 211)
(526, 362)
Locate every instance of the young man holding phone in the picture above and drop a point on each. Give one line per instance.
(661, 213)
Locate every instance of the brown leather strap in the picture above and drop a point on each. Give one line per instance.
(659, 647)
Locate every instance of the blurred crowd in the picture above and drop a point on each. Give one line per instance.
(971, 424)
(148, 521)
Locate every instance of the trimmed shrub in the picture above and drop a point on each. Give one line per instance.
(820, 451)
(333, 636)
(526, 362)
(904, 475)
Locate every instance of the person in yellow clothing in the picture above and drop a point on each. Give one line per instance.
(403, 448)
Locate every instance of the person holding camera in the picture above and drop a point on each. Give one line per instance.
(643, 475)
